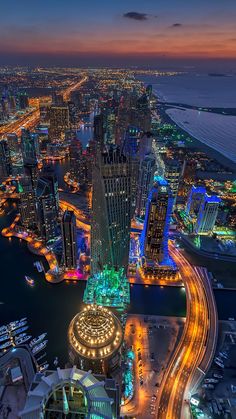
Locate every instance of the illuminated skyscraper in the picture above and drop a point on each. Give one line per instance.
(207, 214)
(75, 155)
(5, 160)
(59, 122)
(47, 211)
(27, 204)
(195, 198)
(154, 239)
(145, 182)
(172, 175)
(69, 240)
(111, 210)
(29, 147)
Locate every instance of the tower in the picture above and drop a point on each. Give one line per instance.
(207, 214)
(27, 205)
(154, 239)
(145, 182)
(172, 175)
(111, 210)
(195, 198)
(5, 160)
(69, 240)
(29, 147)
(47, 212)
(59, 122)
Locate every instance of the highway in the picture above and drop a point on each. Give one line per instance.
(194, 343)
(66, 93)
(28, 120)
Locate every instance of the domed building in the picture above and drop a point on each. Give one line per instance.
(68, 393)
(95, 337)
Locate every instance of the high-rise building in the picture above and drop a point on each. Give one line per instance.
(172, 175)
(111, 210)
(5, 160)
(50, 176)
(98, 132)
(27, 204)
(59, 122)
(47, 211)
(145, 182)
(154, 239)
(69, 240)
(95, 337)
(75, 155)
(195, 198)
(143, 114)
(207, 214)
(23, 100)
(73, 115)
(29, 147)
(131, 151)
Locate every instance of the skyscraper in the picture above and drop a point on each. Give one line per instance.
(195, 198)
(98, 129)
(29, 147)
(75, 155)
(111, 210)
(154, 239)
(27, 204)
(69, 240)
(207, 214)
(145, 182)
(59, 122)
(172, 175)
(5, 160)
(47, 212)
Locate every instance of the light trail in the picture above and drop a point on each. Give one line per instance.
(192, 347)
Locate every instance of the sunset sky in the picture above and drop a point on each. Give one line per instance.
(86, 32)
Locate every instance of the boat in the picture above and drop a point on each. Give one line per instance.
(6, 345)
(29, 280)
(41, 357)
(37, 340)
(38, 265)
(4, 337)
(23, 339)
(3, 329)
(18, 323)
(39, 347)
(22, 329)
(43, 367)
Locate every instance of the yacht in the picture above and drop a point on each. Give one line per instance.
(38, 265)
(6, 345)
(37, 340)
(23, 339)
(43, 367)
(3, 329)
(4, 337)
(22, 329)
(39, 347)
(18, 323)
(29, 280)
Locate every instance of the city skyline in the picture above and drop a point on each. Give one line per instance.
(124, 33)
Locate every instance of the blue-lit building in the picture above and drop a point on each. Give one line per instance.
(154, 238)
(207, 214)
(195, 198)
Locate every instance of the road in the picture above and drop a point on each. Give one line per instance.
(66, 93)
(28, 120)
(193, 345)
